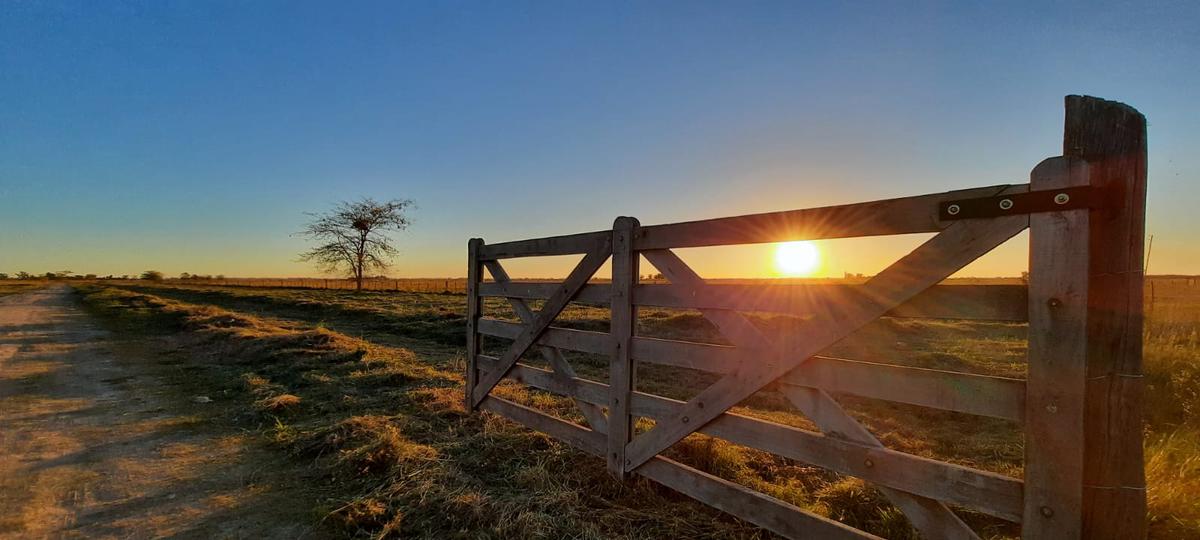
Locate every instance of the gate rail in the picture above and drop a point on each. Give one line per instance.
(1079, 406)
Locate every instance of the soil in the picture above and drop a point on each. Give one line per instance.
(100, 437)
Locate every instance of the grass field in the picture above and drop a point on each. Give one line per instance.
(371, 383)
(8, 287)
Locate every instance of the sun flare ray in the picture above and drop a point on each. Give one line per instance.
(801, 258)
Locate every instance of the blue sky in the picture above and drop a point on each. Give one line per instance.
(192, 136)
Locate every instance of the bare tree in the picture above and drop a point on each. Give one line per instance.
(353, 236)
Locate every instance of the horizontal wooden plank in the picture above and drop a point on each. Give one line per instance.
(892, 216)
(906, 215)
(540, 290)
(983, 395)
(578, 436)
(980, 302)
(541, 247)
(765, 511)
(986, 492)
(594, 414)
(562, 338)
(997, 397)
(762, 510)
(975, 302)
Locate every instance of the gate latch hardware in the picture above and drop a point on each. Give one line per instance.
(1050, 200)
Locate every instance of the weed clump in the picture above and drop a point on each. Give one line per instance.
(370, 445)
(278, 404)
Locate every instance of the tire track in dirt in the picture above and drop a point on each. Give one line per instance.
(95, 443)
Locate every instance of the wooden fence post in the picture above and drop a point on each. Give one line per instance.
(624, 323)
(1111, 136)
(1055, 388)
(474, 310)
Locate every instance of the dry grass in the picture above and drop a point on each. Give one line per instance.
(281, 403)
(429, 326)
(387, 429)
(8, 287)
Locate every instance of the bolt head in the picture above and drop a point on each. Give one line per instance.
(953, 209)
(1062, 198)
(1047, 511)
(1006, 204)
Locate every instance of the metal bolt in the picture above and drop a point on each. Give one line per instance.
(1061, 198)
(953, 209)
(1053, 302)
(1052, 408)
(1005, 204)
(685, 419)
(1046, 511)
(869, 463)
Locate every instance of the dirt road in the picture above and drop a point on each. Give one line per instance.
(96, 442)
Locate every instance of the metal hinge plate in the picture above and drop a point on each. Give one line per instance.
(1051, 200)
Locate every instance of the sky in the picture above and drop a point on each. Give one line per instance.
(193, 136)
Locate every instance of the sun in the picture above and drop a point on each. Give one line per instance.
(797, 258)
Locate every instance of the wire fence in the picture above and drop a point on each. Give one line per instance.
(428, 285)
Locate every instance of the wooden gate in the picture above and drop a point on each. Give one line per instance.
(1079, 406)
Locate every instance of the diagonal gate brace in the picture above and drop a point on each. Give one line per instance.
(929, 264)
(534, 330)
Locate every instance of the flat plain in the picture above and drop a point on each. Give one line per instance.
(368, 385)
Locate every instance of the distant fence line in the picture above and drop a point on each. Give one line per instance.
(430, 285)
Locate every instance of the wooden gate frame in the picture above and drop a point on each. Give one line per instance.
(1080, 404)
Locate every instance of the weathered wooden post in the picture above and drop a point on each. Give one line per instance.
(1084, 475)
(623, 325)
(474, 310)
(1111, 137)
(1054, 397)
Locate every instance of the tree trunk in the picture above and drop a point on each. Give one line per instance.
(361, 255)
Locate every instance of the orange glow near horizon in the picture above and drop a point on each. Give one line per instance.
(797, 259)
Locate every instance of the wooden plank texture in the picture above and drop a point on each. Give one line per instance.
(562, 369)
(905, 215)
(474, 311)
(598, 294)
(767, 512)
(1111, 137)
(997, 397)
(990, 493)
(930, 516)
(970, 302)
(1054, 398)
(624, 322)
(570, 287)
(932, 262)
(570, 244)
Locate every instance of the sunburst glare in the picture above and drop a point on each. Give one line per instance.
(797, 258)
